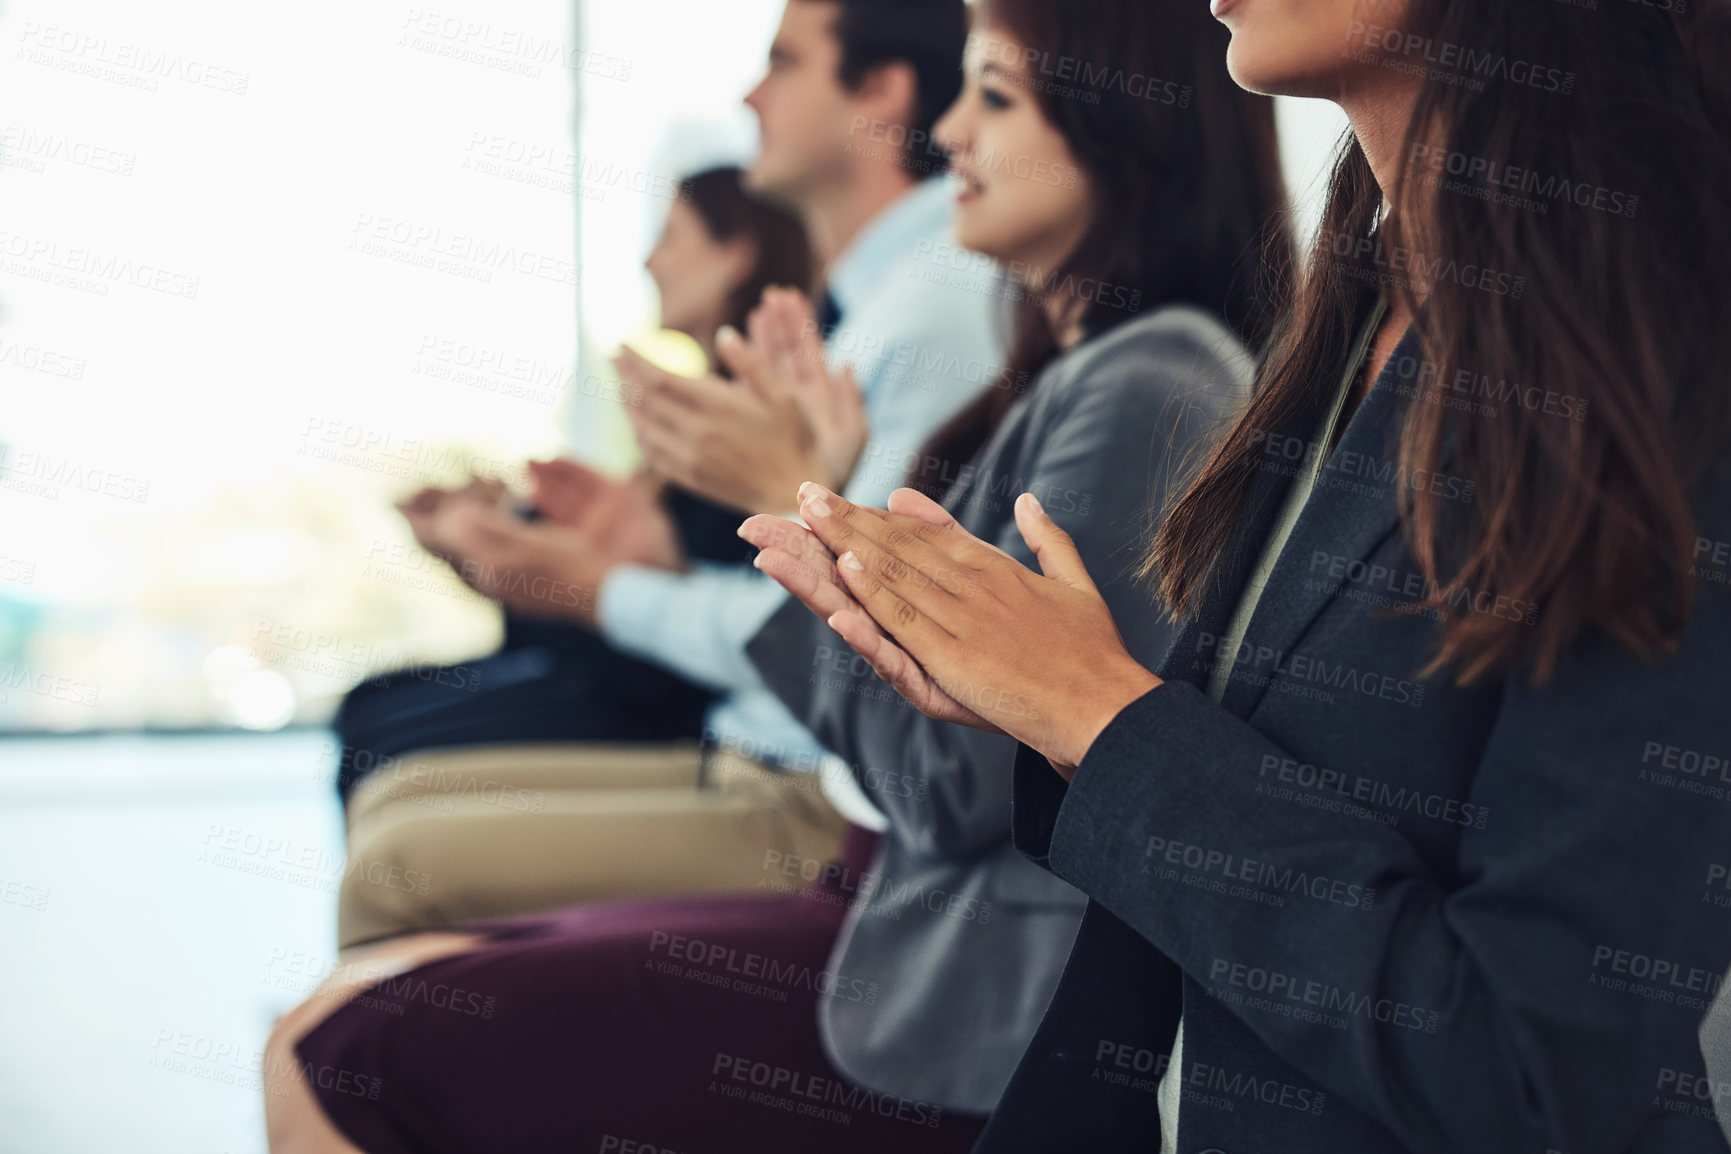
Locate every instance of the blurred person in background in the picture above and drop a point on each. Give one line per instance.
(1132, 228)
(721, 247)
(846, 112)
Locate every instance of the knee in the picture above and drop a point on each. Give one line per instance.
(388, 882)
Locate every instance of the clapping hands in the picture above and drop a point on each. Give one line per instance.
(749, 443)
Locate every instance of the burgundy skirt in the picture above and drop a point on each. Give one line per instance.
(676, 1026)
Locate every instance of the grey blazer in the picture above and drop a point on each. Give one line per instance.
(964, 937)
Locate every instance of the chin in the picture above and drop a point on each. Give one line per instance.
(977, 236)
(760, 177)
(1255, 72)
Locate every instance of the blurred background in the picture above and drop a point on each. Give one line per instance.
(264, 271)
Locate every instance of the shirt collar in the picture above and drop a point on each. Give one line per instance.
(919, 214)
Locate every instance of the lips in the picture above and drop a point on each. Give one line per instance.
(966, 184)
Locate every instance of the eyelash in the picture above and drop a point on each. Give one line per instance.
(994, 99)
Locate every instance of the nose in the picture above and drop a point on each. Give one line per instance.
(950, 132)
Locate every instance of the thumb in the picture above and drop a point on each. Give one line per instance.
(745, 361)
(1051, 545)
(844, 395)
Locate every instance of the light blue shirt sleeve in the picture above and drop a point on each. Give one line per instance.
(694, 623)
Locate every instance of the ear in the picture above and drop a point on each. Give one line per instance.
(740, 256)
(889, 93)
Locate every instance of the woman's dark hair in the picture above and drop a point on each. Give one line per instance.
(729, 211)
(1184, 167)
(1586, 175)
(926, 35)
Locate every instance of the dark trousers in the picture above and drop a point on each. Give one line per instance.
(550, 681)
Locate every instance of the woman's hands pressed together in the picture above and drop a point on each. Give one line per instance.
(956, 624)
(804, 566)
(748, 442)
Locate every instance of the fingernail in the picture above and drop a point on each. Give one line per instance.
(849, 561)
(757, 561)
(727, 333)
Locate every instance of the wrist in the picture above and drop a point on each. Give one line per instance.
(586, 577)
(781, 494)
(1107, 697)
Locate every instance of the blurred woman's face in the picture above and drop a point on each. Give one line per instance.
(694, 273)
(1314, 48)
(1021, 197)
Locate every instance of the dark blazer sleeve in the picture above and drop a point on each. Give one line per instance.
(1107, 442)
(1499, 982)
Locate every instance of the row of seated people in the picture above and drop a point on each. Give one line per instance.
(831, 793)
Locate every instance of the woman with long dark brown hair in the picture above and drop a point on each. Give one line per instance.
(1407, 845)
(883, 1005)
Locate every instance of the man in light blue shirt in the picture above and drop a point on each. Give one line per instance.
(923, 336)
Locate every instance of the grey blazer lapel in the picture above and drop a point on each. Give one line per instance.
(1351, 511)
